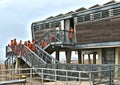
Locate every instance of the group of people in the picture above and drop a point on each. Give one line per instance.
(31, 45)
(16, 46)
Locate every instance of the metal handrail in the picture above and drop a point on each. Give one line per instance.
(52, 38)
(58, 75)
(77, 67)
(30, 55)
(45, 56)
(25, 53)
(58, 36)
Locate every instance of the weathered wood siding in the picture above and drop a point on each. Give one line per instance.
(41, 33)
(106, 30)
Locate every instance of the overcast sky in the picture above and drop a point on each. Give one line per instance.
(16, 16)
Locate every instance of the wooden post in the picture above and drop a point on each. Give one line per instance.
(57, 55)
(68, 56)
(83, 58)
(79, 57)
(89, 59)
(94, 58)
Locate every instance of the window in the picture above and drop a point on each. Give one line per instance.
(105, 13)
(58, 23)
(53, 24)
(116, 11)
(42, 26)
(87, 17)
(36, 28)
(97, 15)
(47, 25)
(80, 18)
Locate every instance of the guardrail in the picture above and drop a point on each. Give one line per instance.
(88, 67)
(45, 56)
(58, 76)
(39, 56)
(57, 37)
(23, 52)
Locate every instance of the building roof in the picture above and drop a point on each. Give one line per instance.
(110, 2)
(69, 12)
(50, 17)
(80, 9)
(95, 6)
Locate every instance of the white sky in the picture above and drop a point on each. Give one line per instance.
(16, 16)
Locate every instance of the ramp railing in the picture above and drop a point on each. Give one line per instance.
(57, 76)
(45, 56)
(23, 52)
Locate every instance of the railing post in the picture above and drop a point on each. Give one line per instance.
(79, 78)
(110, 77)
(73, 41)
(66, 77)
(42, 75)
(61, 36)
(30, 76)
(55, 77)
(91, 78)
(49, 37)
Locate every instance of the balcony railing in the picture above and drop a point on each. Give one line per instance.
(56, 37)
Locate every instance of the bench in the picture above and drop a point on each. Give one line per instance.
(22, 81)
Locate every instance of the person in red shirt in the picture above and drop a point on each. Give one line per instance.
(71, 34)
(20, 47)
(33, 45)
(15, 46)
(15, 42)
(29, 44)
(11, 43)
(20, 43)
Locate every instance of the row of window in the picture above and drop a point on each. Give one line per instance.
(46, 26)
(99, 15)
(81, 18)
(94, 16)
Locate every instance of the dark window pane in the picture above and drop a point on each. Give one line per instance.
(42, 26)
(105, 13)
(116, 11)
(87, 17)
(47, 25)
(80, 19)
(97, 15)
(36, 28)
(53, 24)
